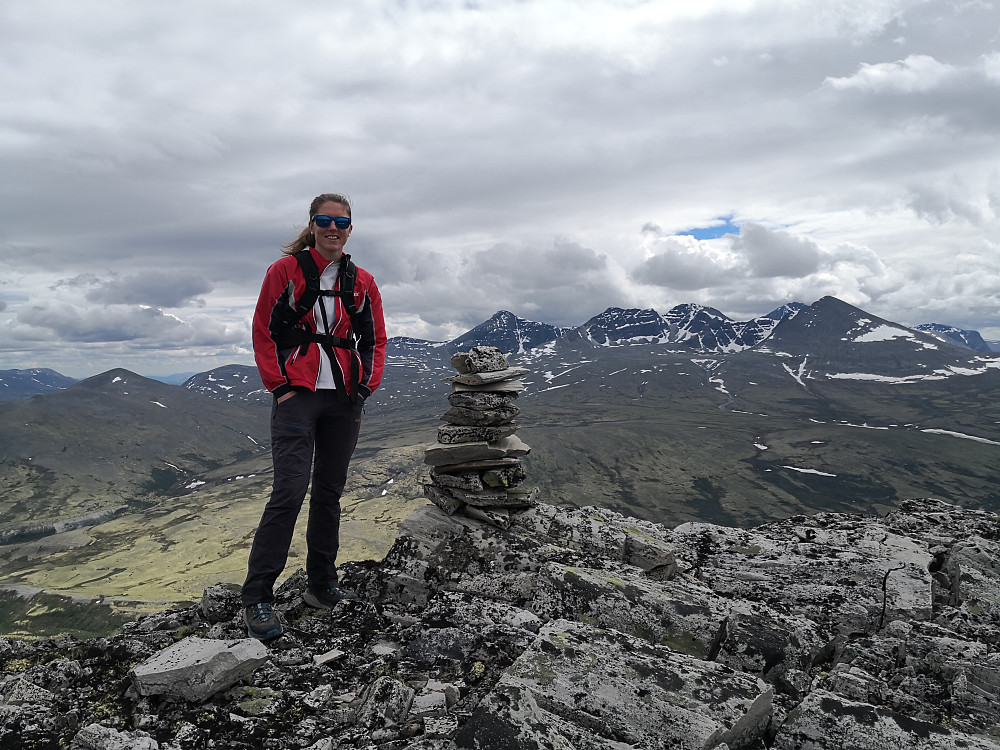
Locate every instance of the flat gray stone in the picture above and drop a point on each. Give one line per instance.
(197, 668)
(454, 433)
(481, 400)
(488, 378)
(470, 481)
(489, 499)
(439, 454)
(478, 465)
(824, 720)
(594, 689)
(504, 386)
(98, 737)
(481, 417)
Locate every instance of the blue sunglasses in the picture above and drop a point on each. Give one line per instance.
(341, 222)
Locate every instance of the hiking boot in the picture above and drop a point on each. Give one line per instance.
(262, 622)
(328, 599)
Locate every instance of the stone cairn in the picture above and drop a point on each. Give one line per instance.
(476, 462)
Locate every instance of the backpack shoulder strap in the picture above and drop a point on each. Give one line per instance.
(348, 275)
(311, 273)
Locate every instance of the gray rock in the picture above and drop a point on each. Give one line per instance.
(478, 465)
(499, 517)
(588, 688)
(481, 400)
(460, 415)
(454, 433)
(385, 705)
(488, 378)
(220, 602)
(825, 720)
(506, 477)
(443, 455)
(516, 385)
(21, 691)
(851, 631)
(492, 498)
(470, 481)
(196, 668)
(480, 359)
(512, 445)
(443, 499)
(97, 737)
(888, 573)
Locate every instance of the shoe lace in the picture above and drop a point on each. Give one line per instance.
(261, 612)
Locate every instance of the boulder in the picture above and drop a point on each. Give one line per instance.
(196, 668)
(98, 737)
(824, 720)
(640, 695)
(220, 602)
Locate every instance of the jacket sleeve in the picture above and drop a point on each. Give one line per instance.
(372, 338)
(264, 349)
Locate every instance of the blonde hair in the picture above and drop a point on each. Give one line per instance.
(306, 237)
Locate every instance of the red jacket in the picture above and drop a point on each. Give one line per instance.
(280, 374)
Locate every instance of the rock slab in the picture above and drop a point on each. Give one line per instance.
(196, 668)
(592, 689)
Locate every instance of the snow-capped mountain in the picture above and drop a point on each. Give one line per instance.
(835, 340)
(18, 384)
(954, 335)
(230, 383)
(508, 333)
(618, 327)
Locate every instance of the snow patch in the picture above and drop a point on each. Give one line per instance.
(962, 435)
(808, 471)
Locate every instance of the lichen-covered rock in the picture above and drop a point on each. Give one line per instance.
(824, 720)
(220, 601)
(581, 627)
(456, 433)
(583, 687)
(98, 737)
(480, 359)
(460, 415)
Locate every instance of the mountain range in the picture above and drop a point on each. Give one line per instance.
(691, 326)
(670, 418)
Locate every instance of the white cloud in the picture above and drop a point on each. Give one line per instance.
(914, 74)
(501, 155)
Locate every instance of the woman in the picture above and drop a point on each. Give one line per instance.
(320, 367)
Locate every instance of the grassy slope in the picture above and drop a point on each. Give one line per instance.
(170, 553)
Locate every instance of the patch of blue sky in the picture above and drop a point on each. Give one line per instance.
(723, 225)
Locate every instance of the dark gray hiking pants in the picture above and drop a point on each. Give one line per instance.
(307, 425)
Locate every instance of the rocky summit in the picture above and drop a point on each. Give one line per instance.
(497, 622)
(571, 628)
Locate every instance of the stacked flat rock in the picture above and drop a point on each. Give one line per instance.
(476, 462)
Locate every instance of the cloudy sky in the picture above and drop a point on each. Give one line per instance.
(548, 157)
